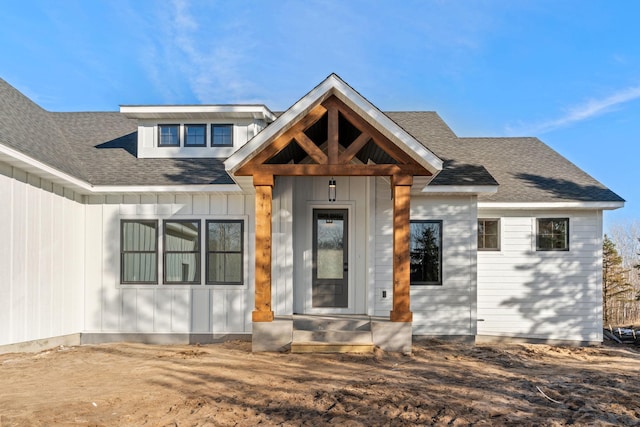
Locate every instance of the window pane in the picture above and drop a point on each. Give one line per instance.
(225, 257)
(225, 268)
(168, 135)
(195, 135)
(216, 268)
(138, 236)
(488, 234)
(181, 236)
(233, 268)
(553, 234)
(182, 251)
(221, 135)
(491, 242)
(425, 252)
(225, 236)
(182, 267)
(139, 267)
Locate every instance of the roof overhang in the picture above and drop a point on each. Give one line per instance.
(552, 205)
(196, 112)
(42, 170)
(334, 86)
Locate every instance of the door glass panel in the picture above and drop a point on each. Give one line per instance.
(330, 247)
(330, 253)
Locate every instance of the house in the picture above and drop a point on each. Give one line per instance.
(194, 223)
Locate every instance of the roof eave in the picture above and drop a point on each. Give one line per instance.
(159, 112)
(553, 205)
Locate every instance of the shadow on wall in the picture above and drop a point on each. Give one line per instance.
(145, 308)
(558, 299)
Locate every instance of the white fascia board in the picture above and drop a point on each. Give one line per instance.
(31, 165)
(386, 126)
(205, 188)
(474, 189)
(333, 85)
(278, 127)
(550, 205)
(177, 111)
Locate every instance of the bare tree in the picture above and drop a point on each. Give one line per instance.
(618, 295)
(626, 237)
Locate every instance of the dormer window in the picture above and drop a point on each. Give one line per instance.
(222, 135)
(169, 135)
(195, 135)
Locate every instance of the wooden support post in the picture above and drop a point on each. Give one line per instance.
(264, 193)
(401, 188)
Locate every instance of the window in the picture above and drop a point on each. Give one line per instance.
(489, 234)
(225, 252)
(553, 234)
(222, 135)
(195, 135)
(139, 256)
(182, 251)
(168, 135)
(426, 253)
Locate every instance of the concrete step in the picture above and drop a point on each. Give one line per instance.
(328, 347)
(331, 323)
(333, 336)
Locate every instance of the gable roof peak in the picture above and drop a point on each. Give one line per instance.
(333, 85)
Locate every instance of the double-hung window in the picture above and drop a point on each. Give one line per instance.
(488, 234)
(225, 252)
(222, 135)
(195, 135)
(168, 135)
(552, 234)
(426, 252)
(182, 251)
(139, 251)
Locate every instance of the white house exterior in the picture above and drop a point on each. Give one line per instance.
(207, 222)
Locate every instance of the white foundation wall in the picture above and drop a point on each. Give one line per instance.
(448, 309)
(41, 258)
(112, 307)
(542, 295)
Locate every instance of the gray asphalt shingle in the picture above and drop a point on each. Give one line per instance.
(100, 148)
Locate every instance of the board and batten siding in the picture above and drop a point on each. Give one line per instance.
(112, 307)
(447, 309)
(542, 294)
(41, 258)
(352, 193)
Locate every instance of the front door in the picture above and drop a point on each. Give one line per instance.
(330, 284)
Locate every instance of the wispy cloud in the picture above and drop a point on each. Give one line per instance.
(578, 113)
(192, 57)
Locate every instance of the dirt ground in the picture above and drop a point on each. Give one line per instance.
(225, 384)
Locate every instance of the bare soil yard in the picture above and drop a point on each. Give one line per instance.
(226, 385)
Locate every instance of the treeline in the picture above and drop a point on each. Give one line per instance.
(621, 275)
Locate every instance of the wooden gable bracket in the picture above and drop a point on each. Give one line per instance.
(333, 162)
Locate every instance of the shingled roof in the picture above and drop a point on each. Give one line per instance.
(100, 148)
(526, 169)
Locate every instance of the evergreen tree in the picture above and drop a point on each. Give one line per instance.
(616, 289)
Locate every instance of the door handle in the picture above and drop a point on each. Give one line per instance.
(346, 267)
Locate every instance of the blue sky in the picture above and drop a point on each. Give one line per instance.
(567, 72)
